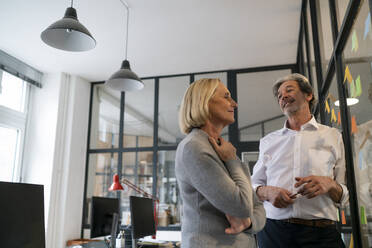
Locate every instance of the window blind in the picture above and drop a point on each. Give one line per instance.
(20, 69)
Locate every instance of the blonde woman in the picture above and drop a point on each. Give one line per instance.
(220, 209)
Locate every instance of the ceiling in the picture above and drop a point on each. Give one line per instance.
(165, 36)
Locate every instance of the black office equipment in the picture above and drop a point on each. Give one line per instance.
(142, 217)
(22, 215)
(102, 218)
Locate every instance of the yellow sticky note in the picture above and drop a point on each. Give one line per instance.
(348, 75)
(351, 245)
(358, 86)
(354, 42)
(333, 116)
(327, 106)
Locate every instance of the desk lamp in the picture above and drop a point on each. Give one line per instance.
(116, 186)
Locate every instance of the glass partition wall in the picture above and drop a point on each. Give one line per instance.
(136, 134)
(342, 47)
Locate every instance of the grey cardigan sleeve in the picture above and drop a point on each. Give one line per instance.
(231, 194)
(258, 216)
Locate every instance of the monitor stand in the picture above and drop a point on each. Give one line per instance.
(134, 241)
(114, 228)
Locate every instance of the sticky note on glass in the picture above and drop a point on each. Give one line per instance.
(358, 86)
(333, 116)
(360, 160)
(367, 26)
(352, 89)
(354, 128)
(343, 218)
(348, 75)
(327, 106)
(331, 97)
(363, 217)
(354, 42)
(351, 245)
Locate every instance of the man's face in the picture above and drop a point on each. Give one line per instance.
(291, 99)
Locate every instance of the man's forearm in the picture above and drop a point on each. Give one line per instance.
(335, 193)
(261, 193)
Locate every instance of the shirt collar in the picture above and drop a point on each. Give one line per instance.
(310, 125)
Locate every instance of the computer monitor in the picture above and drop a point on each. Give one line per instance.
(22, 215)
(142, 217)
(102, 217)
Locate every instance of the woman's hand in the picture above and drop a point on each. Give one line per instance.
(237, 225)
(225, 150)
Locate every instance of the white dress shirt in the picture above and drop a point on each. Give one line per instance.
(285, 154)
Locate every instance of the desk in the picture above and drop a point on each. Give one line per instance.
(91, 244)
(169, 244)
(163, 239)
(144, 244)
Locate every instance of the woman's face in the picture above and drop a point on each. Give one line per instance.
(221, 107)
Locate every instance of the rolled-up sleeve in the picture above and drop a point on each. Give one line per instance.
(340, 172)
(259, 170)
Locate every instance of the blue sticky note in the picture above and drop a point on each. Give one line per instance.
(360, 160)
(367, 26)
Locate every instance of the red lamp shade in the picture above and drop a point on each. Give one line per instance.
(116, 185)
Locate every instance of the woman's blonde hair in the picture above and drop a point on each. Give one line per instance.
(194, 110)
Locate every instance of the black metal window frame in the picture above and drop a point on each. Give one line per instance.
(232, 130)
(336, 68)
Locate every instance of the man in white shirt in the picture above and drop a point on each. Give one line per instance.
(300, 174)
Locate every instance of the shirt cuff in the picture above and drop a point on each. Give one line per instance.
(345, 196)
(255, 186)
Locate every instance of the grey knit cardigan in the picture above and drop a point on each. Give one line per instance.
(210, 189)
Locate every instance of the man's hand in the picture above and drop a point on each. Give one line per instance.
(319, 185)
(237, 225)
(225, 150)
(279, 197)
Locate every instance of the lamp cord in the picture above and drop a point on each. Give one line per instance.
(126, 34)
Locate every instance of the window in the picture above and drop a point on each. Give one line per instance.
(135, 135)
(254, 111)
(13, 115)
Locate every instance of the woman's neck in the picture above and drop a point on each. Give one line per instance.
(212, 130)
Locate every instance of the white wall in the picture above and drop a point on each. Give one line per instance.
(40, 136)
(74, 161)
(55, 152)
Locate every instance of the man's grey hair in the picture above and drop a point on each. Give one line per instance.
(303, 84)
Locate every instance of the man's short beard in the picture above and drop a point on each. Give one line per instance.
(291, 111)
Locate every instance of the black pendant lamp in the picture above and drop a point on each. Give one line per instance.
(125, 79)
(69, 34)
